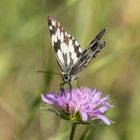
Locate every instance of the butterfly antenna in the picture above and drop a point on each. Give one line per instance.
(49, 72)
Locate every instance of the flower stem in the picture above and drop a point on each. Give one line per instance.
(73, 131)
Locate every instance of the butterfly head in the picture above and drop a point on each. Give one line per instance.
(67, 77)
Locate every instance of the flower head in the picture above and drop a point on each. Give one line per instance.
(78, 105)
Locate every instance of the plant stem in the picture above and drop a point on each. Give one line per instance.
(73, 131)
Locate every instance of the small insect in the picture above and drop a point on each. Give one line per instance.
(69, 54)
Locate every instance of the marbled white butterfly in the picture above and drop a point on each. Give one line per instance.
(69, 55)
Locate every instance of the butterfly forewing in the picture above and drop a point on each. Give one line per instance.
(66, 48)
(89, 53)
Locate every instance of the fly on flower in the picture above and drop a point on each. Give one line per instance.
(69, 54)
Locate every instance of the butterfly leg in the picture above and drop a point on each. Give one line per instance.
(62, 87)
(78, 84)
(70, 86)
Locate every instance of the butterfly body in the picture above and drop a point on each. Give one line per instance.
(70, 57)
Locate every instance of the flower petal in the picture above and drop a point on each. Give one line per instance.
(45, 100)
(103, 109)
(84, 116)
(104, 119)
(49, 99)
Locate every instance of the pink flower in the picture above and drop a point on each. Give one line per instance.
(78, 105)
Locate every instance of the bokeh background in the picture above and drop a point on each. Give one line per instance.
(25, 48)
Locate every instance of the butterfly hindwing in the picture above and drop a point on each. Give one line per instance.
(89, 53)
(66, 48)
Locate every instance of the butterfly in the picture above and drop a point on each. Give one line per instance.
(70, 57)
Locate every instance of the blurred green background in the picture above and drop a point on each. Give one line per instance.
(25, 48)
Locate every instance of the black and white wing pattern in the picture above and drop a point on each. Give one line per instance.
(66, 48)
(89, 53)
(69, 55)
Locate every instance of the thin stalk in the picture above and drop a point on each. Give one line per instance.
(73, 131)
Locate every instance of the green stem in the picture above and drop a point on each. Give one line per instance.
(73, 131)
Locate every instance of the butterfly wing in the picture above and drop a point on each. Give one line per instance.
(88, 54)
(66, 48)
